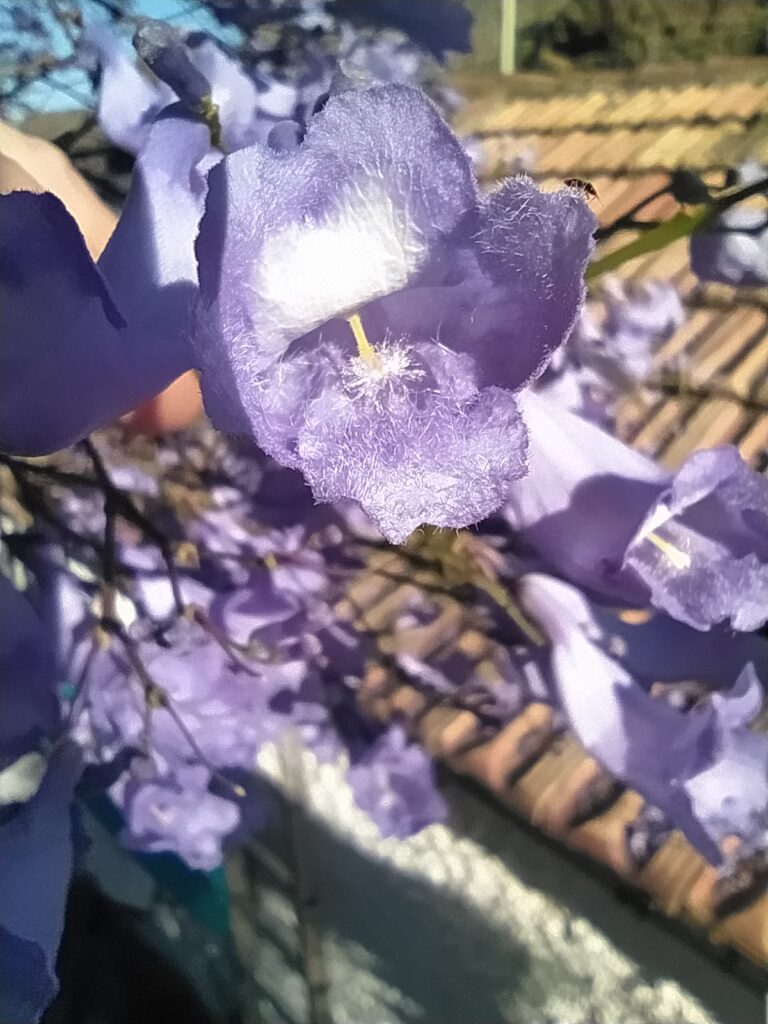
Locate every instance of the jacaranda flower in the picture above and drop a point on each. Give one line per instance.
(703, 768)
(368, 318)
(693, 543)
(190, 69)
(39, 769)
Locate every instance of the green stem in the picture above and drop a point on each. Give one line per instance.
(680, 226)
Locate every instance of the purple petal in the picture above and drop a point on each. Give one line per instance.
(68, 361)
(694, 544)
(149, 262)
(162, 48)
(129, 101)
(178, 814)
(534, 246)
(583, 496)
(393, 781)
(734, 251)
(36, 858)
(30, 709)
(704, 769)
(411, 459)
(291, 241)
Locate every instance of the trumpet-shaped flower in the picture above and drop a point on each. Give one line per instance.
(693, 543)
(703, 768)
(190, 69)
(368, 319)
(733, 249)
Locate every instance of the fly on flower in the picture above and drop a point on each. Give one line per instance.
(583, 186)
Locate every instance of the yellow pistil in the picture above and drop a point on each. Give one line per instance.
(678, 558)
(365, 349)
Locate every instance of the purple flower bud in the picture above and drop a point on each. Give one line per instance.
(163, 50)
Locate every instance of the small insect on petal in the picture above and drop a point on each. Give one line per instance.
(586, 187)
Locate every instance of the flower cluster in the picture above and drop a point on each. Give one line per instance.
(381, 347)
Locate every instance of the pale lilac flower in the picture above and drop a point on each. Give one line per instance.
(604, 357)
(190, 69)
(704, 769)
(393, 781)
(693, 543)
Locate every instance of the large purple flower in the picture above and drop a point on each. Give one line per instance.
(368, 318)
(693, 543)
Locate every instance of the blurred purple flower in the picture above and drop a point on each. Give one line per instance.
(733, 249)
(602, 359)
(393, 781)
(704, 769)
(191, 69)
(357, 235)
(693, 543)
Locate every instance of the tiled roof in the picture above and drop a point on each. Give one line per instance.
(623, 140)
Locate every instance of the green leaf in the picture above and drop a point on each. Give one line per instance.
(679, 226)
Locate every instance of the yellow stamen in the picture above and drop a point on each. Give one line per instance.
(678, 558)
(270, 561)
(365, 349)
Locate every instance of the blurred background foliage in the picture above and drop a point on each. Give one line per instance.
(559, 34)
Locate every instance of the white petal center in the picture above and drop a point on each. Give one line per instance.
(314, 271)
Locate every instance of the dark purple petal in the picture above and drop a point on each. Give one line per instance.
(30, 708)
(68, 360)
(36, 858)
(162, 48)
